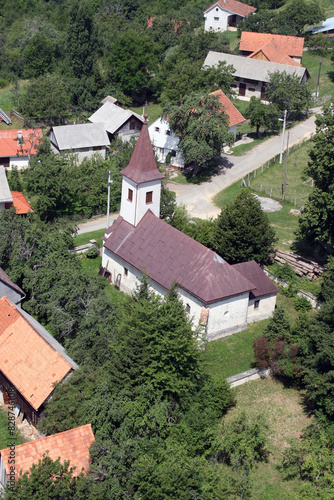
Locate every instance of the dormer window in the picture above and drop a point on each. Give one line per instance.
(157, 129)
(130, 195)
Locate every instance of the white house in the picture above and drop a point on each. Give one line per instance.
(166, 144)
(251, 76)
(82, 139)
(6, 199)
(219, 296)
(226, 13)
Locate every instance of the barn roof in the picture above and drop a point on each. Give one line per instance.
(253, 69)
(233, 113)
(253, 272)
(142, 167)
(327, 25)
(31, 359)
(113, 117)
(81, 135)
(239, 8)
(72, 445)
(166, 254)
(9, 144)
(290, 45)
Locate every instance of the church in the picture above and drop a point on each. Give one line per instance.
(223, 298)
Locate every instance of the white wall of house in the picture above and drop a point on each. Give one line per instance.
(3, 475)
(216, 19)
(227, 316)
(82, 152)
(164, 141)
(18, 161)
(261, 308)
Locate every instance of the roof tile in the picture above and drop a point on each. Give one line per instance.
(233, 113)
(9, 144)
(253, 272)
(72, 445)
(234, 6)
(289, 45)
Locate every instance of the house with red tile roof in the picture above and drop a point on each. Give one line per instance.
(72, 446)
(32, 362)
(17, 146)
(9, 199)
(216, 294)
(275, 48)
(166, 143)
(225, 14)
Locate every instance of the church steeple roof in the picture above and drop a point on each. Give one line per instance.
(142, 167)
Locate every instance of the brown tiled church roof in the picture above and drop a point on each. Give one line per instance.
(166, 254)
(142, 167)
(253, 272)
(72, 445)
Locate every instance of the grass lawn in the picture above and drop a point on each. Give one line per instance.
(311, 61)
(153, 111)
(5, 437)
(82, 239)
(232, 36)
(283, 409)
(271, 181)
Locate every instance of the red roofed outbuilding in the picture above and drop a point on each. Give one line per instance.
(72, 445)
(225, 13)
(274, 48)
(139, 242)
(17, 146)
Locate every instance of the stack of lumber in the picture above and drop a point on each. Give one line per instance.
(300, 265)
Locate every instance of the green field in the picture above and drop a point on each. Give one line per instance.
(311, 62)
(153, 111)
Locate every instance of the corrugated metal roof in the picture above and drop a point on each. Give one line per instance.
(80, 136)
(142, 167)
(253, 69)
(290, 45)
(5, 194)
(166, 254)
(234, 6)
(6, 279)
(72, 445)
(113, 117)
(253, 272)
(327, 25)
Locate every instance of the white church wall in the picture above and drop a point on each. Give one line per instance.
(127, 206)
(261, 308)
(133, 210)
(227, 316)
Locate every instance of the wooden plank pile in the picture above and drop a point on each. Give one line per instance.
(300, 265)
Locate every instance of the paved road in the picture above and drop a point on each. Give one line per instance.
(198, 198)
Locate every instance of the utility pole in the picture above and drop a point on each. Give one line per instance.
(317, 93)
(283, 132)
(286, 166)
(108, 202)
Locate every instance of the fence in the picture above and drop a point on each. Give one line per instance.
(270, 191)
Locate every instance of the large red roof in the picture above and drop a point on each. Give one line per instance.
(9, 144)
(253, 272)
(166, 254)
(288, 45)
(234, 6)
(142, 167)
(28, 361)
(233, 113)
(72, 445)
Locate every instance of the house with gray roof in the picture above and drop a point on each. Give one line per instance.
(327, 28)
(215, 294)
(118, 121)
(7, 287)
(253, 75)
(82, 139)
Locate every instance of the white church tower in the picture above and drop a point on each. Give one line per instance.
(141, 185)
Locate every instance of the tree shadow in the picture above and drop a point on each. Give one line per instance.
(330, 75)
(210, 169)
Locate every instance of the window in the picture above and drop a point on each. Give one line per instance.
(248, 80)
(188, 308)
(97, 148)
(130, 195)
(149, 197)
(217, 9)
(167, 132)
(216, 18)
(157, 129)
(256, 304)
(126, 271)
(132, 125)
